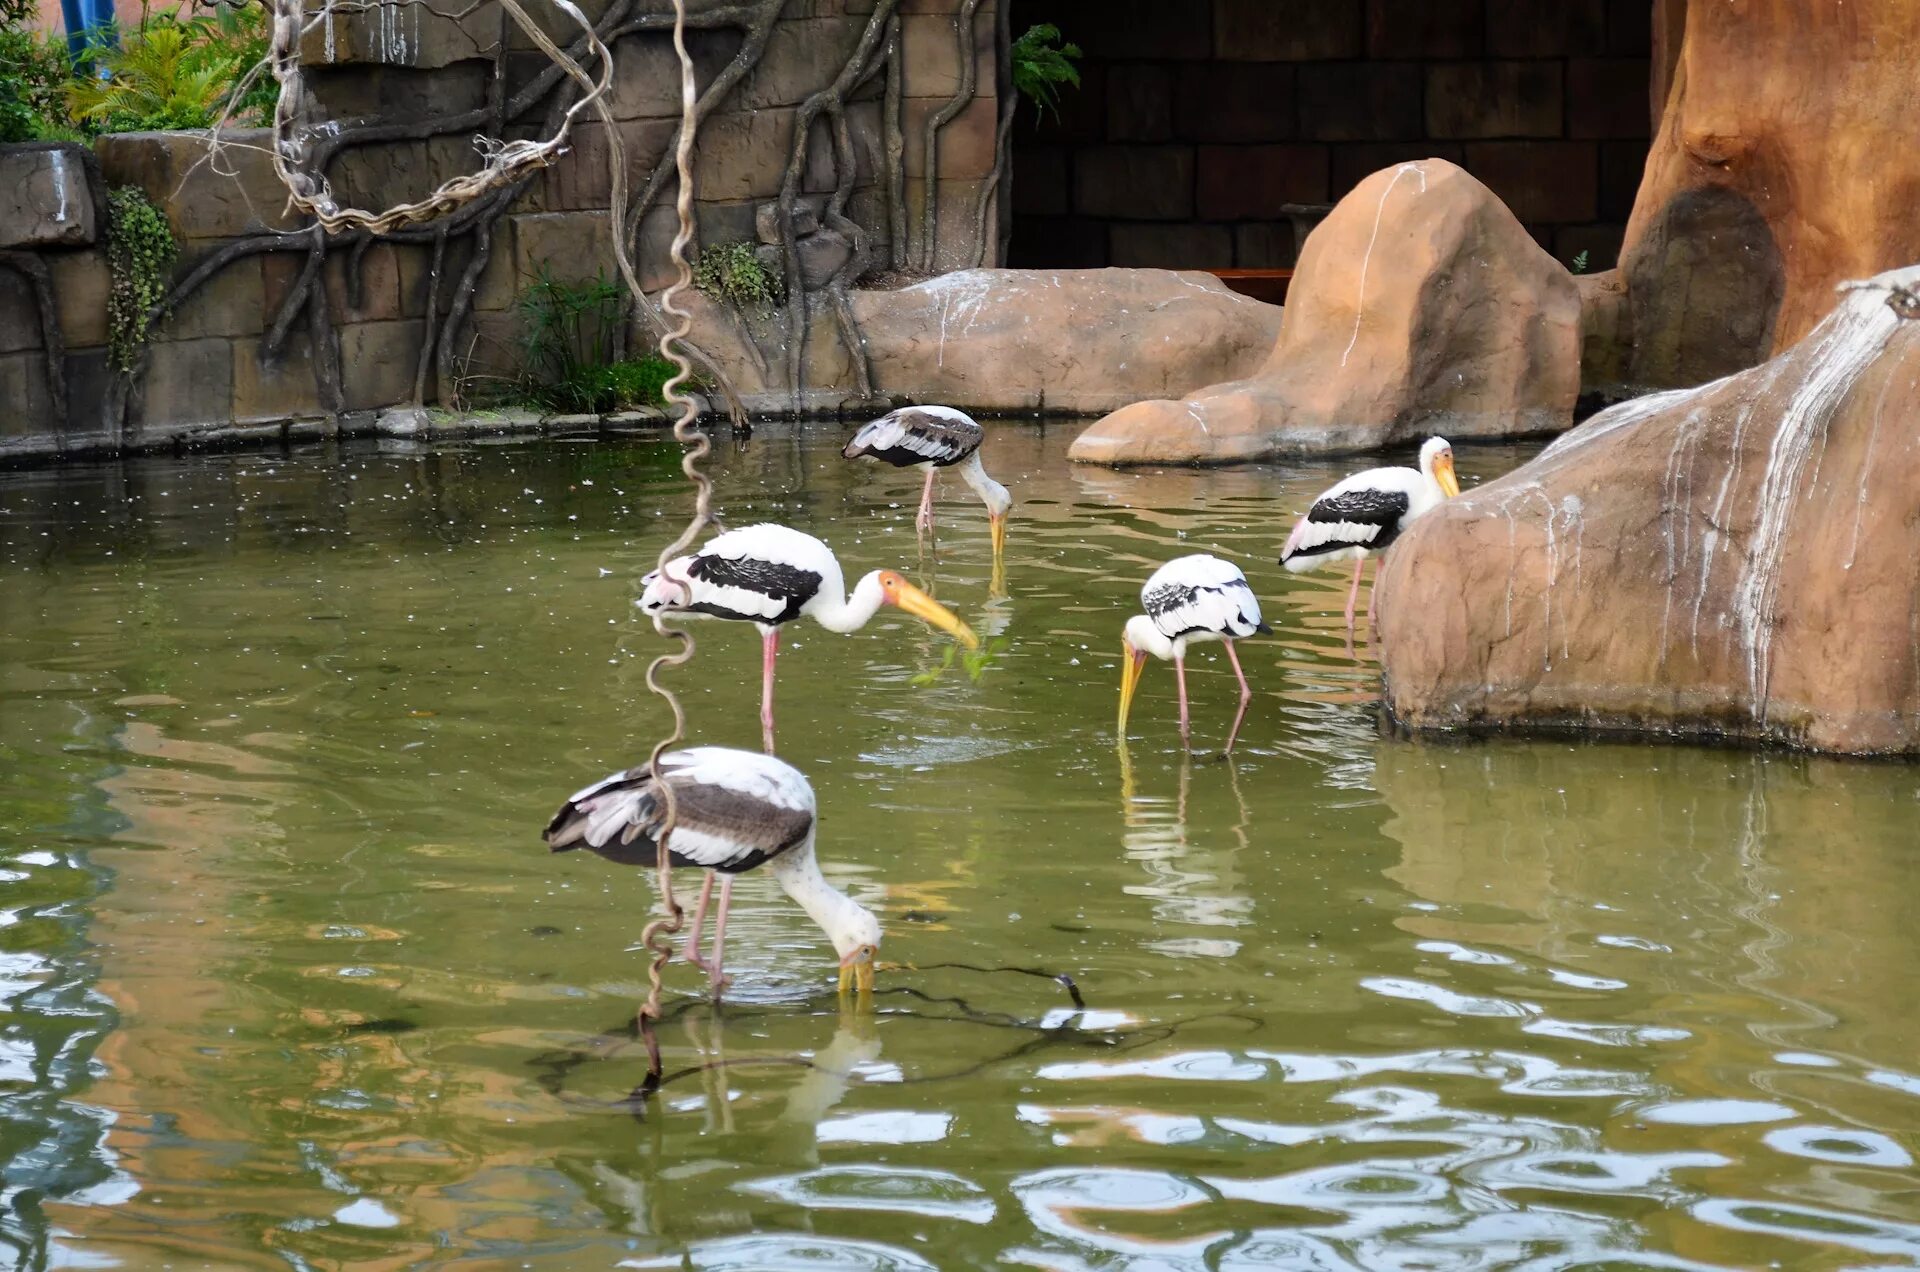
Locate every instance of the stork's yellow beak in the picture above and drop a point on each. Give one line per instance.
(1443, 473)
(856, 970)
(997, 527)
(923, 607)
(1132, 663)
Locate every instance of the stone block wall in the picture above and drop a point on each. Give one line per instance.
(210, 368)
(1198, 120)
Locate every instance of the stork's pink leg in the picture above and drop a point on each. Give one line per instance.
(716, 977)
(1373, 603)
(1180, 675)
(1353, 595)
(1246, 695)
(924, 522)
(770, 645)
(691, 950)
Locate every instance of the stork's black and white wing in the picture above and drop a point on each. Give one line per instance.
(1359, 514)
(735, 810)
(937, 435)
(1202, 593)
(756, 574)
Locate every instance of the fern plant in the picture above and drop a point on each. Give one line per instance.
(1039, 67)
(171, 73)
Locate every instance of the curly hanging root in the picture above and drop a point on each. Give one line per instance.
(505, 164)
(657, 933)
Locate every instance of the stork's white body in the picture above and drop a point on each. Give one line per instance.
(930, 438)
(735, 811)
(1360, 516)
(769, 575)
(1188, 600)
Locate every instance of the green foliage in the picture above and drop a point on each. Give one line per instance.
(570, 341)
(973, 662)
(171, 72)
(1039, 68)
(1580, 262)
(140, 255)
(731, 272)
(34, 72)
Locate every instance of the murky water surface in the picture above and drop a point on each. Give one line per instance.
(290, 980)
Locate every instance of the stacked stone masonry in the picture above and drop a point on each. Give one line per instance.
(206, 369)
(1197, 122)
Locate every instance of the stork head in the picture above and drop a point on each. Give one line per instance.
(896, 591)
(856, 938)
(1436, 461)
(998, 502)
(1140, 638)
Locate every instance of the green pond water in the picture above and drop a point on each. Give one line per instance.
(290, 981)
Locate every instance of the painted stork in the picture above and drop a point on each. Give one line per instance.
(1361, 515)
(769, 575)
(931, 438)
(735, 811)
(1189, 599)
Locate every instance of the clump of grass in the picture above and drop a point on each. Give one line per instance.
(570, 343)
(732, 273)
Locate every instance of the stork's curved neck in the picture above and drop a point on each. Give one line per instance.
(838, 914)
(992, 493)
(837, 611)
(1145, 635)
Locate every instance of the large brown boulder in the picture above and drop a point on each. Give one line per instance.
(1733, 560)
(1420, 305)
(1073, 341)
(1784, 163)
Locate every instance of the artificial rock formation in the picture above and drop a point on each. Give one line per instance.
(1784, 163)
(1420, 305)
(1071, 341)
(46, 198)
(1732, 560)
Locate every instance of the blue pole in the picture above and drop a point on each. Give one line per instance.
(89, 22)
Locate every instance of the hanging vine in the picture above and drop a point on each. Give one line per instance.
(140, 250)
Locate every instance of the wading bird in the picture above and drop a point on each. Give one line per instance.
(734, 811)
(1189, 599)
(769, 575)
(932, 438)
(1363, 514)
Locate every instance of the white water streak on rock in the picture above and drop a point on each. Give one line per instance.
(1840, 351)
(1866, 470)
(1612, 420)
(57, 160)
(1360, 301)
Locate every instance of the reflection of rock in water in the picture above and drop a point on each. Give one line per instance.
(1758, 900)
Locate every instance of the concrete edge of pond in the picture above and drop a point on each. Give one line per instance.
(424, 424)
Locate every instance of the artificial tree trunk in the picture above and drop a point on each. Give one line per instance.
(1784, 163)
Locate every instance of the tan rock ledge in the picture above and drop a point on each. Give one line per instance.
(1420, 306)
(1734, 560)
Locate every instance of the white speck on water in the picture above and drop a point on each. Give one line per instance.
(365, 1212)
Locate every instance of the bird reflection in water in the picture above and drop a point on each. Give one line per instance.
(1163, 846)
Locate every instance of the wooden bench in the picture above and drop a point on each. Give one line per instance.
(1269, 285)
